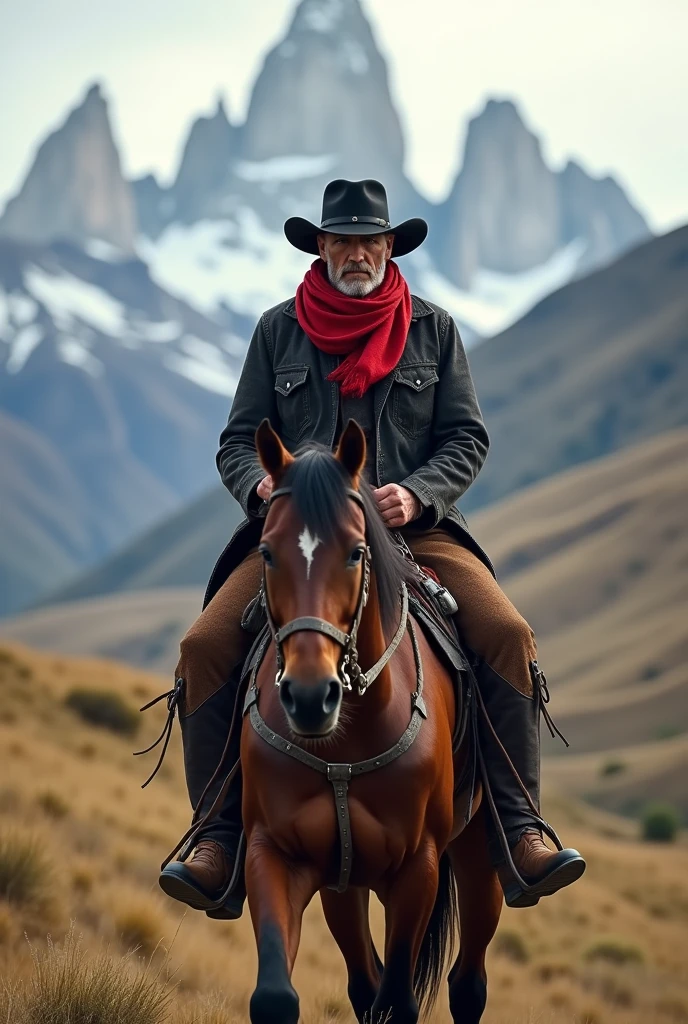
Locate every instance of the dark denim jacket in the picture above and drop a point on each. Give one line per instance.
(429, 430)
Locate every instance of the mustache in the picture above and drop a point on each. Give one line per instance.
(361, 268)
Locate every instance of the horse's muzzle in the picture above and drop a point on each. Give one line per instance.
(312, 708)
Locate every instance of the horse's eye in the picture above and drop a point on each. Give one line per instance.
(267, 557)
(356, 556)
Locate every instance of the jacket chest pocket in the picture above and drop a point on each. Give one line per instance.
(293, 405)
(413, 398)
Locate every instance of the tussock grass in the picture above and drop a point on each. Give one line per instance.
(26, 873)
(139, 924)
(614, 951)
(52, 804)
(69, 986)
(104, 708)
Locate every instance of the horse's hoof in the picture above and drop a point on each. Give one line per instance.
(269, 1005)
(467, 998)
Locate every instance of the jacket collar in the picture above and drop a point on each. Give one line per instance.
(418, 308)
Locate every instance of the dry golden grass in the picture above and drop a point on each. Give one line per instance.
(609, 950)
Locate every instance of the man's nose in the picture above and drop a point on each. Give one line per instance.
(357, 253)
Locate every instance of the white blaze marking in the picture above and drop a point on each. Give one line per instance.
(308, 543)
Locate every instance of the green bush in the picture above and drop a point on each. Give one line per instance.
(511, 945)
(104, 708)
(661, 823)
(612, 768)
(614, 951)
(26, 875)
(69, 987)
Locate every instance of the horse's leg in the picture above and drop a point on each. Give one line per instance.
(347, 917)
(278, 894)
(408, 899)
(480, 904)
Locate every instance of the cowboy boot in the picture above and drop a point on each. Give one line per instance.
(212, 879)
(509, 733)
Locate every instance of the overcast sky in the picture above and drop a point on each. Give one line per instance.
(602, 81)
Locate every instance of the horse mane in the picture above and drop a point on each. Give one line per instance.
(319, 484)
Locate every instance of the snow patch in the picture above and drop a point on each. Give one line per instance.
(321, 15)
(284, 168)
(22, 308)
(237, 263)
(73, 352)
(203, 363)
(159, 331)
(496, 300)
(16, 310)
(25, 341)
(69, 300)
(104, 251)
(353, 57)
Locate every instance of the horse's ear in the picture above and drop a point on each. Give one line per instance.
(274, 457)
(351, 450)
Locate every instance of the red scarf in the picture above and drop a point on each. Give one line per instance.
(370, 331)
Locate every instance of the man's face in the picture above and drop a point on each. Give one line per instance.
(356, 264)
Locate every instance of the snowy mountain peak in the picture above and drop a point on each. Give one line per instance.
(324, 16)
(210, 148)
(324, 89)
(75, 190)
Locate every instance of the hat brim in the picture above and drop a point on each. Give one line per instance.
(407, 236)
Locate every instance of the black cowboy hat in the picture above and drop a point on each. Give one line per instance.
(355, 208)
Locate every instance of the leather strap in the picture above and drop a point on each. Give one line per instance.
(339, 775)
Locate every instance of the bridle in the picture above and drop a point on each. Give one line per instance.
(338, 774)
(349, 670)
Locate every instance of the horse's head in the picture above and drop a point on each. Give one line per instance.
(315, 547)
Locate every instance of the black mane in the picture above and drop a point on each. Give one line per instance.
(319, 484)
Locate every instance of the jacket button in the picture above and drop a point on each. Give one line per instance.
(288, 385)
(417, 382)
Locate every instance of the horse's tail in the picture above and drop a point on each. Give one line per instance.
(439, 939)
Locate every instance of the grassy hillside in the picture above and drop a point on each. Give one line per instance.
(610, 950)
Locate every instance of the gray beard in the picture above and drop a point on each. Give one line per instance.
(357, 289)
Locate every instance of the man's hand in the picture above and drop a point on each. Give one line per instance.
(264, 488)
(397, 505)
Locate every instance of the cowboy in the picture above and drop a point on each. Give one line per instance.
(355, 344)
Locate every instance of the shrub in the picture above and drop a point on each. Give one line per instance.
(614, 951)
(52, 804)
(104, 708)
(513, 946)
(139, 924)
(26, 875)
(661, 823)
(612, 768)
(67, 987)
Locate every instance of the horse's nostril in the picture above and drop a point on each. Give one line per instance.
(287, 696)
(333, 696)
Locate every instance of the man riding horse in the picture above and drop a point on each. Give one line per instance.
(355, 344)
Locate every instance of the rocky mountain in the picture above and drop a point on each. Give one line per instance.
(75, 190)
(509, 212)
(113, 393)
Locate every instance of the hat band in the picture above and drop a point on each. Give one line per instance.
(353, 220)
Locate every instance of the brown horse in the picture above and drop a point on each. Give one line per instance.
(359, 695)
